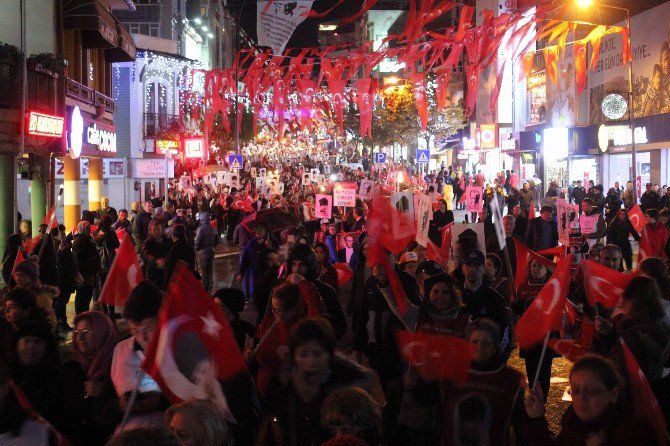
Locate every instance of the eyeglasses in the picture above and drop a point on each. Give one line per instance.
(82, 332)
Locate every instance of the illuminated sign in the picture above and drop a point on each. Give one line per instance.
(487, 136)
(40, 124)
(194, 148)
(167, 145)
(76, 132)
(508, 144)
(620, 135)
(555, 143)
(614, 106)
(104, 139)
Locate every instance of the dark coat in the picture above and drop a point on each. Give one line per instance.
(180, 250)
(439, 221)
(152, 250)
(534, 234)
(86, 258)
(141, 229)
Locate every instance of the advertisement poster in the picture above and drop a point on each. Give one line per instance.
(651, 66)
(561, 101)
(474, 200)
(344, 194)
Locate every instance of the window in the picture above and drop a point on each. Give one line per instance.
(157, 99)
(146, 29)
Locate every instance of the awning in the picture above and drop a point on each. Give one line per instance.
(97, 25)
(125, 50)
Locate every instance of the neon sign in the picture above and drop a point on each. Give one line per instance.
(40, 124)
(104, 139)
(194, 148)
(167, 146)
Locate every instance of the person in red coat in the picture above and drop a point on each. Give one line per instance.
(654, 237)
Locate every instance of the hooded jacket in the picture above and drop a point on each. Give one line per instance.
(205, 236)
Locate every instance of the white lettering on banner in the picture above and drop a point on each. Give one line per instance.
(154, 168)
(105, 140)
(344, 194)
(621, 136)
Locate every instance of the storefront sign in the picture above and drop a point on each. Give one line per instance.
(620, 135)
(40, 124)
(154, 168)
(164, 146)
(194, 148)
(87, 134)
(508, 144)
(487, 136)
(111, 168)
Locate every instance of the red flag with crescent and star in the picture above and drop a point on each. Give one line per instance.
(546, 311)
(436, 356)
(523, 256)
(637, 218)
(124, 275)
(602, 284)
(645, 404)
(195, 354)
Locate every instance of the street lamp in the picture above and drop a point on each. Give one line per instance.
(631, 99)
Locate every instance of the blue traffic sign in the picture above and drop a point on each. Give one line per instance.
(423, 156)
(380, 158)
(235, 161)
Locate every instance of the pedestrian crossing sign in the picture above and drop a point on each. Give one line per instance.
(422, 156)
(235, 161)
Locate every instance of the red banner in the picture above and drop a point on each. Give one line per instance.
(365, 102)
(419, 86)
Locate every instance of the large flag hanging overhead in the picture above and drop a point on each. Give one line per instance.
(124, 275)
(276, 21)
(195, 354)
(546, 311)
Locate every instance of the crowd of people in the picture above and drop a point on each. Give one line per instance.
(317, 311)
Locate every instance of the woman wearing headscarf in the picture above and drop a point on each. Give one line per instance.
(93, 340)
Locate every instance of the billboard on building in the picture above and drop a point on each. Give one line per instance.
(650, 34)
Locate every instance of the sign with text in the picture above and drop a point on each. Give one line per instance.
(344, 194)
(40, 124)
(164, 146)
(152, 168)
(194, 148)
(474, 200)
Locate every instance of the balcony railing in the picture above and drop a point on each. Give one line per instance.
(161, 125)
(87, 95)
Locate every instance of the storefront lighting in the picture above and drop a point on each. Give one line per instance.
(40, 124)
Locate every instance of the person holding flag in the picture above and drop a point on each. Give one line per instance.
(599, 413)
(618, 232)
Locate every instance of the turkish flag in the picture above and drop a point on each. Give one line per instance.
(602, 284)
(365, 102)
(523, 257)
(442, 87)
(337, 97)
(441, 254)
(47, 219)
(419, 86)
(120, 233)
(436, 356)
(637, 218)
(124, 275)
(31, 244)
(344, 273)
(556, 251)
(580, 66)
(381, 228)
(573, 349)
(195, 354)
(645, 403)
(546, 311)
(531, 211)
(19, 259)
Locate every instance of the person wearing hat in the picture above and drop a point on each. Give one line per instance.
(27, 275)
(542, 231)
(408, 263)
(591, 222)
(578, 193)
(480, 300)
(232, 302)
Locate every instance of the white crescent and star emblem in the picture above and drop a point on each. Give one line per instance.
(554, 290)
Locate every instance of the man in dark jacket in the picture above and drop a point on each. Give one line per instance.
(578, 193)
(649, 199)
(154, 252)
(206, 238)
(542, 231)
(180, 250)
(141, 225)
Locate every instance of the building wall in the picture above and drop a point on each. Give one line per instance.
(122, 94)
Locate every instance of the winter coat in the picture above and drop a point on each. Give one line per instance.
(86, 258)
(205, 236)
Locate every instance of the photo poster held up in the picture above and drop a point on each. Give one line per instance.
(306, 179)
(568, 216)
(260, 183)
(474, 198)
(432, 191)
(185, 182)
(341, 242)
(423, 213)
(254, 172)
(403, 202)
(315, 174)
(458, 228)
(262, 172)
(323, 206)
(365, 189)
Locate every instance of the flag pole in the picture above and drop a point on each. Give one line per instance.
(265, 336)
(539, 364)
(131, 401)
